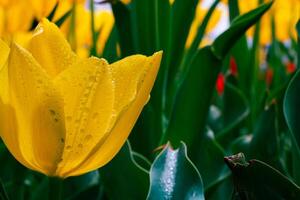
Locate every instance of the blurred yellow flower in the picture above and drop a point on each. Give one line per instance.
(285, 13)
(104, 22)
(14, 17)
(62, 115)
(200, 14)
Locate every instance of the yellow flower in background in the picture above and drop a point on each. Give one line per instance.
(285, 13)
(14, 17)
(104, 22)
(200, 14)
(62, 115)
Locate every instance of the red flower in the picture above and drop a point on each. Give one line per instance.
(233, 66)
(220, 84)
(269, 76)
(290, 67)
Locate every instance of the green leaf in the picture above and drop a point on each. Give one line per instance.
(238, 27)
(3, 194)
(79, 185)
(292, 108)
(173, 176)
(257, 180)
(146, 24)
(191, 102)
(51, 15)
(235, 110)
(110, 49)
(193, 99)
(265, 130)
(186, 61)
(63, 18)
(183, 13)
(209, 159)
(291, 111)
(123, 177)
(240, 52)
(123, 23)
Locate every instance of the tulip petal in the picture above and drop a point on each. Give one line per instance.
(134, 77)
(4, 52)
(38, 111)
(49, 47)
(7, 115)
(89, 95)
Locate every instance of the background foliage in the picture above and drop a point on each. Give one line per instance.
(177, 148)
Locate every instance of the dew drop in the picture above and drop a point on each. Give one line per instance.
(52, 112)
(88, 137)
(68, 147)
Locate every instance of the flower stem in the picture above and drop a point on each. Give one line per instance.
(55, 188)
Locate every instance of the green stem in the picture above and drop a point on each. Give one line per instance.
(55, 188)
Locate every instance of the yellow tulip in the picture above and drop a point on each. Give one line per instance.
(199, 16)
(285, 13)
(15, 17)
(62, 115)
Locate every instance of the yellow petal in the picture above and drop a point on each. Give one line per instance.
(4, 52)
(37, 135)
(134, 78)
(89, 98)
(49, 47)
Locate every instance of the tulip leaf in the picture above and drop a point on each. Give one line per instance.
(191, 105)
(291, 108)
(146, 20)
(173, 176)
(193, 99)
(110, 49)
(257, 180)
(3, 194)
(237, 28)
(209, 159)
(240, 52)
(123, 23)
(265, 130)
(185, 64)
(182, 15)
(63, 18)
(235, 110)
(52, 13)
(123, 177)
(74, 187)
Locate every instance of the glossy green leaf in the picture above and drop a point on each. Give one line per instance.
(173, 176)
(257, 180)
(123, 177)
(237, 28)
